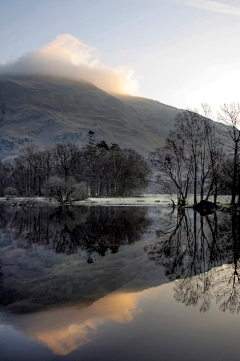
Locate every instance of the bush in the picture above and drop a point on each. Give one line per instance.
(80, 191)
(10, 192)
(63, 191)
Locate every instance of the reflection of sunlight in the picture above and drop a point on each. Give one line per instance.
(78, 327)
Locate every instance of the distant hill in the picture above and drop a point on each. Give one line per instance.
(44, 111)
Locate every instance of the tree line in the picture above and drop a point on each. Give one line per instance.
(201, 156)
(66, 171)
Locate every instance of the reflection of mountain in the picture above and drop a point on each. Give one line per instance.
(191, 247)
(35, 277)
(66, 329)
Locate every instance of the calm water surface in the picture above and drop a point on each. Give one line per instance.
(118, 283)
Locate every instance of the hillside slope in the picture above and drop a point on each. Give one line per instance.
(44, 111)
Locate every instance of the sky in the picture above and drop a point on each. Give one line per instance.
(179, 52)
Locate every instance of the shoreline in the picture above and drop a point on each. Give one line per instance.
(145, 200)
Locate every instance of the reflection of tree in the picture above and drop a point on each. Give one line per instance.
(188, 245)
(193, 291)
(92, 229)
(191, 249)
(228, 293)
(228, 290)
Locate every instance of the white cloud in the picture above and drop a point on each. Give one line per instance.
(69, 57)
(213, 6)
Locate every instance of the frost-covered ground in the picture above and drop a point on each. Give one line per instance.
(157, 199)
(147, 200)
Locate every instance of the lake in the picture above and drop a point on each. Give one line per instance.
(118, 283)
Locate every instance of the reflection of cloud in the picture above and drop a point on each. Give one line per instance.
(69, 57)
(67, 339)
(78, 327)
(213, 6)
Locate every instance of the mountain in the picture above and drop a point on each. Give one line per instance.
(46, 110)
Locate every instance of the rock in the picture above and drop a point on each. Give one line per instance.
(205, 207)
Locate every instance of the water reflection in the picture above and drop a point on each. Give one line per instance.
(44, 252)
(81, 284)
(191, 248)
(65, 230)
(66, 329)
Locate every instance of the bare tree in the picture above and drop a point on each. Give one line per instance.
(230, 117)
(190, 157)
(210, 156)
(80, 191)
(134, 173)
(31, 169)
(189, 125)
(59, 188)
(66, 158)
(4, 175)
(174, 166)
(207, 111)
